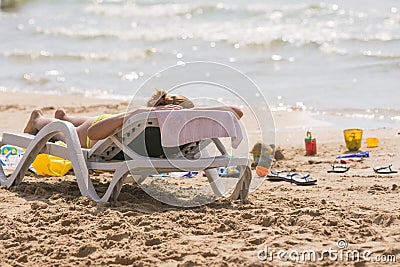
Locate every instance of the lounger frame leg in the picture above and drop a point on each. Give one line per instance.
(216, 184)
(243, 185)
(75, 155)
(3, 176)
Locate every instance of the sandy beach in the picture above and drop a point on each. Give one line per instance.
(45, 222)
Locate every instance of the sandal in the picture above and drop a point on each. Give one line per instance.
(277, 175)
(384, 169)
(339, 168)
(300, 179)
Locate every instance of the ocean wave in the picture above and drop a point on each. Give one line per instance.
(228, 32)
(299, 106)
(382, 115)
(232, 33)
(123, 9)
(377, 114)
(380, 54)
(142, 34)
(120, 55)
(276, 10)
(263, 25)
(324, 27)
(135, 10)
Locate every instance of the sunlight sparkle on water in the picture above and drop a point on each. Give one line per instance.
(276, 57)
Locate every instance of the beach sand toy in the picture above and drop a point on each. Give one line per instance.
(372, 142)
(262, 171)
(47, 165)
(262, 154)
(353, 139)
(311, 145)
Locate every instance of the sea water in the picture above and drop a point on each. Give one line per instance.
(338, 59)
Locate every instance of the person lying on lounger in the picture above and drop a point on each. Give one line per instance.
(92, 129)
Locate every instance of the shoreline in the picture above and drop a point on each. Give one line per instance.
(285, 120)
(290, 126)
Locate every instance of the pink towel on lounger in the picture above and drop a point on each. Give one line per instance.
(180, 127)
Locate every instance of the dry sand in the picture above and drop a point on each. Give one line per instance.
(45, 222)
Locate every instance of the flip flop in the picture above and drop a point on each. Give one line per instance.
(384, 169)
(277, 175)
(300, 179)
(159, 175)
(339, 168)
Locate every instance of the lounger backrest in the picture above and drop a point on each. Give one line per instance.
(144, 139)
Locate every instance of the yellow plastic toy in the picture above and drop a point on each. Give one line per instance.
(48, 165)
(353, 139)
(372, 142)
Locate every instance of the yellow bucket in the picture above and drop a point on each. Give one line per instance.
(47, 165)
(372, 142)
(353, 139)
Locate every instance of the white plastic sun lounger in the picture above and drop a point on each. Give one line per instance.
(104, 154)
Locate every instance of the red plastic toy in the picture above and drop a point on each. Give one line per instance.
(311, 145)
